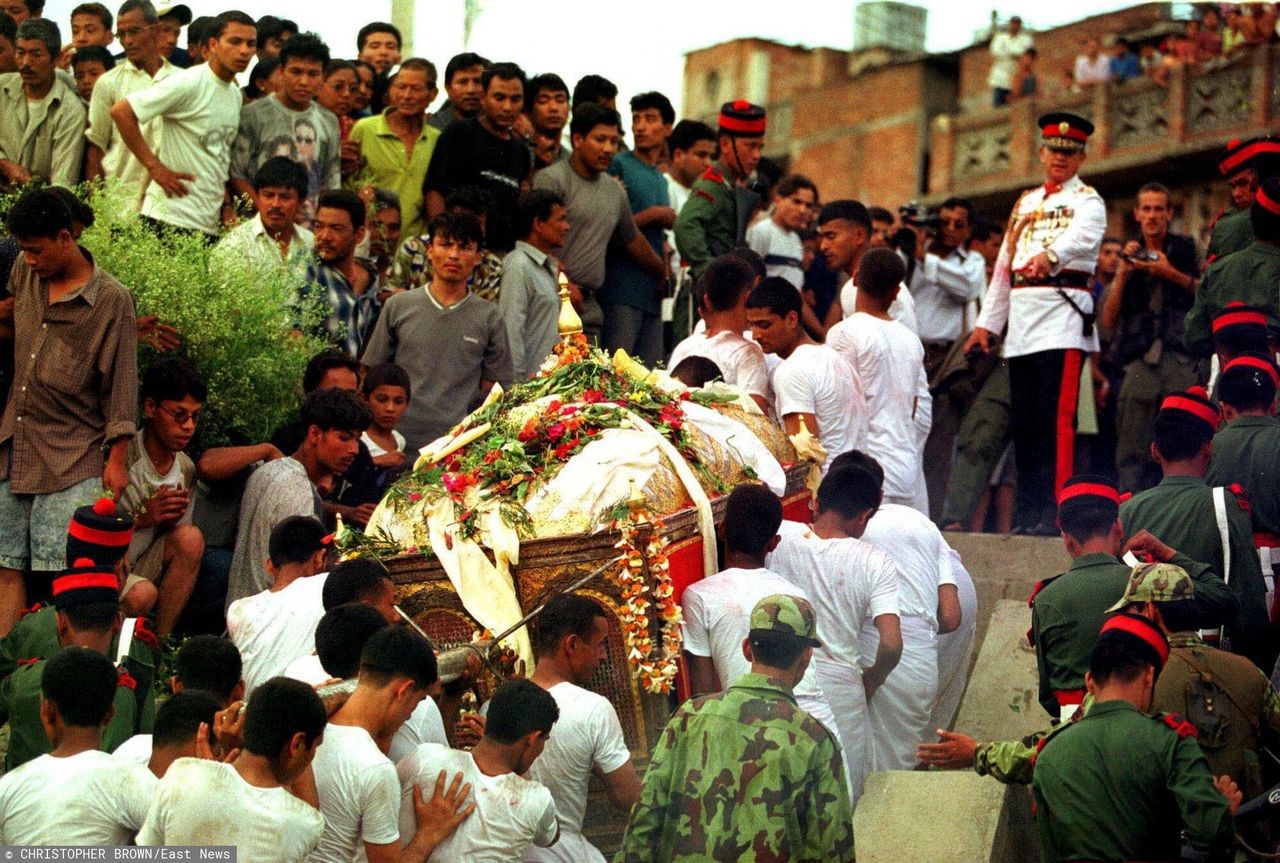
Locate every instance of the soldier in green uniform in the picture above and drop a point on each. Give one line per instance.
(97, 532)
(1067, 610)
(1249, 275)
(86, 605)
(1194, 518)
(1244, 166)
(746, 774)
(1246, 451)
(715, 218)
(1121, 784)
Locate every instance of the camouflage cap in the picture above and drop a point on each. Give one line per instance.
(1156, 582)
(789, 614)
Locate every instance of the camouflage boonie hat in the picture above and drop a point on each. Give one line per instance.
(789, 614)
(1156, 582)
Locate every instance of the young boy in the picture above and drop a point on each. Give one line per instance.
(813, 385)
(91, 27)
(512, 812)
(164, 555)
(76, 793)
(274, 627)
(386, 394)
(283, 726)
(89, 64)
(777, 238)
(722, 297)
(452, 345)
(889, 361)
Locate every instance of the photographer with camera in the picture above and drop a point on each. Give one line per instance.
(945, 277)
(1150, 295)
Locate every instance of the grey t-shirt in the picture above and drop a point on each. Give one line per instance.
(599, 214)
(310, 137)
(447, 351)
(276, 490)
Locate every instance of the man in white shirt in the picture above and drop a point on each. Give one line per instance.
(512, 812)
(928, 603)
(889, 361)
(570, 637)
(717, 609)
(106, 154)
(357, 783)
(844, 234)
(1006, 48)
(1041, 289)
(185, 728)
(272, 240)
(247, 803)
(776, 238)
(722, 296)
(955, 649)
(813, 387)
(848, 581)
(75, 794)
(274, 627)
(198, 110)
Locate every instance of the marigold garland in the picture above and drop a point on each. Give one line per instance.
(652, 665)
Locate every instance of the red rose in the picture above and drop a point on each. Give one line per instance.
(563, 451)
(529, 432)
(555, 432)
(492, 455)
(592, 396)
(554, 406)
(456, 483)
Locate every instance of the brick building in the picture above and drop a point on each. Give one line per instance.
(890, 127)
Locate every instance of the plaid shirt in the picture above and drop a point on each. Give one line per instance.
(412, 269)
(75, 383)
(351, 316)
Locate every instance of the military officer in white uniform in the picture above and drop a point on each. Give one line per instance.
(1040, 288)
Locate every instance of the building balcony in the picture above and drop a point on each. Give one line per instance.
(1144, 132)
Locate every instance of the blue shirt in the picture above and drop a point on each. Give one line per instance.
(1124, 68)
(625, 284)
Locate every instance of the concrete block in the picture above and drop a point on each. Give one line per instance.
(1000, 701)
(950, 816)
(1006, 567)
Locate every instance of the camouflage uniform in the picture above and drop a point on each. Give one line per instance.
(745, 774)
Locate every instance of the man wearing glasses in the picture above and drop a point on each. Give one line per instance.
(107, 155)
(164, 554)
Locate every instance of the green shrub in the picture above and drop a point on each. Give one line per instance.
(237, 323)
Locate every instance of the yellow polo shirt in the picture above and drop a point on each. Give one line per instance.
(384, 165)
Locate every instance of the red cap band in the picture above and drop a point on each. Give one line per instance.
(1268, 203)
(1196, 409)
(96, 536)
(1139, 628)
(1236, 160)
(1233, 319)
(753, 126)
(1254, 363)
(1064, 130)
(83, 580)
(1092, 489)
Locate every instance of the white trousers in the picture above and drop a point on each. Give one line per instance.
(900, 710)
(955, 649)
(843, 687)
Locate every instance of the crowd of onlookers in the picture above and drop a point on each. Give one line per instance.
(432, 252)
(1216, 33)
